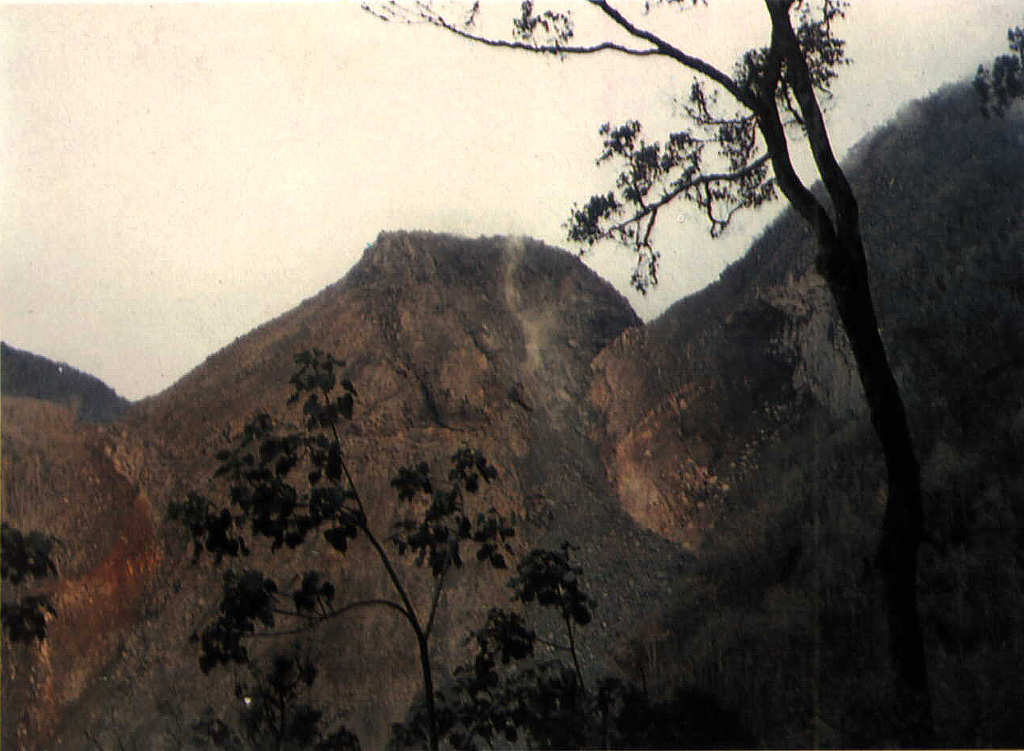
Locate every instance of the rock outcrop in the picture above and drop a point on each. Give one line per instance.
(65, 477)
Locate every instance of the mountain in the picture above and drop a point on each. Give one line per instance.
(450, 343)
(715, 467)
(25, 374)
(746, 439)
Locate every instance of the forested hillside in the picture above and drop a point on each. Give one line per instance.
(25, 374)
(748, 386)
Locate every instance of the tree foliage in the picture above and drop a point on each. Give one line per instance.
(735, 153)
(287, 483)
(25, 557)
(1002, 84)
(518, 689)
(275, 712)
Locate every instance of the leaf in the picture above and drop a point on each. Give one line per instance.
(345, 403)
(334, 466)
(338, 537)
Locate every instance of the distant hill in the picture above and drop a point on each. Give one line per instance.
(25, 374)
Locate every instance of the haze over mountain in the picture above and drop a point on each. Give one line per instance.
(714, 466)
(178, 173)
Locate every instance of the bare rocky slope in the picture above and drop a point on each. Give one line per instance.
(67, 478)
(450, 343)
(714, 466)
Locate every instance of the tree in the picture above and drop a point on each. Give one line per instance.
(500, 693)
(735, 154)
(1003, 84)
(271, 499)
(510, 691)
(275, 714)
(25, 556)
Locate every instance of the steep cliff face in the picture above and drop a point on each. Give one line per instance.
(751, 357)
(711, 382)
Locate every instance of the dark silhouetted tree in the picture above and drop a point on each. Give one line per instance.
(1003, 84)
(516, 688)
(24, 557)
(287, 483)
(733, 153)
(275, 712)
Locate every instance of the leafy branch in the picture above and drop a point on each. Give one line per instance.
(284, 485)
(23, 557)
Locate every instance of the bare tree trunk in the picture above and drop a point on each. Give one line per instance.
(843, 263)
(845, 269)
(433, 742)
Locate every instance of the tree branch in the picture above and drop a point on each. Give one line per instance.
(327, 616)
(549, 49)
(772, 129)
(651, 209)
(439, 585)
(408, 609)
(365, 604)
(786, 44)
(666, 49)
(428, 15)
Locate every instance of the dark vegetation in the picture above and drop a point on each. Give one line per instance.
(25, 374)
(275, 711)
(781, 619)
(286, 509)
(519, 689)
(1003, 83)
(25, 557)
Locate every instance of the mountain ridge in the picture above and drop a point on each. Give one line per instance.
(25, 374)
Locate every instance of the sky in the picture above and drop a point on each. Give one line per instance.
(172, 176)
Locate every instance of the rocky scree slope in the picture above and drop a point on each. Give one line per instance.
(450, 343)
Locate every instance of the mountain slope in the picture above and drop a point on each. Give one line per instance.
(450, 342)
(748, 441)
(66, 478)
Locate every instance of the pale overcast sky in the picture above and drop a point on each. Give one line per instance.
(173, 175)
